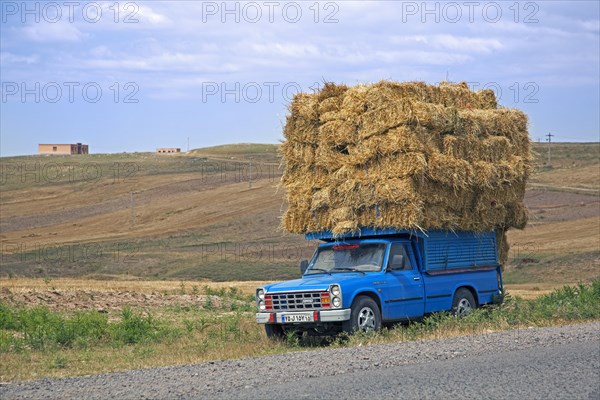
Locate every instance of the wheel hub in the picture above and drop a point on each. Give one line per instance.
(366, 319)
(464, 307)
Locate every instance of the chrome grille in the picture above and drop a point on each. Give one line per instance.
(296, 301)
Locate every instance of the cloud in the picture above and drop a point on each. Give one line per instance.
(287, 49)
(148, 14)
(590, 25)
(10, 58)
(101, 51)
(463, 44)
(53, 32)
(170, 62)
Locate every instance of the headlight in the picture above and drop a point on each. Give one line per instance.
(261, 305)
(260, 293)
(335, 290)
(337, 302)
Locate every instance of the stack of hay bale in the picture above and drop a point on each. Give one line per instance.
(406, 156)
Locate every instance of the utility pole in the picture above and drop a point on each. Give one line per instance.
(132, 207)
(188, 150)
(549, 136)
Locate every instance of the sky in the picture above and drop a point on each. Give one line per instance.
(126, 76)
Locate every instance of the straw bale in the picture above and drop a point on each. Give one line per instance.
(330, 159)
(355, 193)
(398, 166)
(395, 141)
(295, 154)
(322, 198)
(501, 122)
(459, 95)
(330, 104)
(437, 216)
(304, 177)
(382, 119)
(329, 108)
(487, 99)
(346, 226)
(337, 132)
(473, 149)
(305, 105)
(404, 216)
(518, 215)
(301, 130)
(436, 117)
(353, 103)
(394, 191)
(342, 214)
(404, 155)
(503, 246)
(331, 89)
(437, 194)
(449, 171)
(349, 171)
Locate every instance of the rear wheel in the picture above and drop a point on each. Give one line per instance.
(365, 316)
(274, 332)
(463, 303)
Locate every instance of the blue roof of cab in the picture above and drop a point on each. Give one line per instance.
(362, 233)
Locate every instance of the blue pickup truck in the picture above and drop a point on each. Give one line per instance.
(363, 280)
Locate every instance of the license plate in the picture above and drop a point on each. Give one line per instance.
(291, 318)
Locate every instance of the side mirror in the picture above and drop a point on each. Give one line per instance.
(303, 266)
(396, 263)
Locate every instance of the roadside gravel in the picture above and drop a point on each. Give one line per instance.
(216, 379)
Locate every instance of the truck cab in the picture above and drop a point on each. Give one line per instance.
(362, 280)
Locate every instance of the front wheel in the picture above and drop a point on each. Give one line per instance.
(463, 303)
(365, 316)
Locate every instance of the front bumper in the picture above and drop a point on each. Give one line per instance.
(322, 316)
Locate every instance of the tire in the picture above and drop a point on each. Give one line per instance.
(463, 303)
(274, 332)
(365, 316)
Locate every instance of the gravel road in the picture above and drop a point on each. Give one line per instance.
(545, 363)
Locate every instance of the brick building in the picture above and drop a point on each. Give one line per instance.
(168, 150)
(63, 149)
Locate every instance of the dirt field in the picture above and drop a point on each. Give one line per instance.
(112, 296)
(200, 217)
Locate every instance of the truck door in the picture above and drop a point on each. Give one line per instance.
(404, 292)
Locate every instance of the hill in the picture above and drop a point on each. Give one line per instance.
(213, 213)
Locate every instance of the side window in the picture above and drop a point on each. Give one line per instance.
(398, 259)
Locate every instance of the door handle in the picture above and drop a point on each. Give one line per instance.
(417, 278)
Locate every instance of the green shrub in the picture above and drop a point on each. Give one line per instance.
(134, 328)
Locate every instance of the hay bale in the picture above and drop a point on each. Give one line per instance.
(401, 165)
(453, 172)
(337, 133)
(503, 246)
(473, 149)
(404, 155)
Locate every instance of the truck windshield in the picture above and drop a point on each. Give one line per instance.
(367, 257)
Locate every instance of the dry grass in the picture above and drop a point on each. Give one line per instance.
(569, 237)
(139, 286)
(183, 210)
(530, 291)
